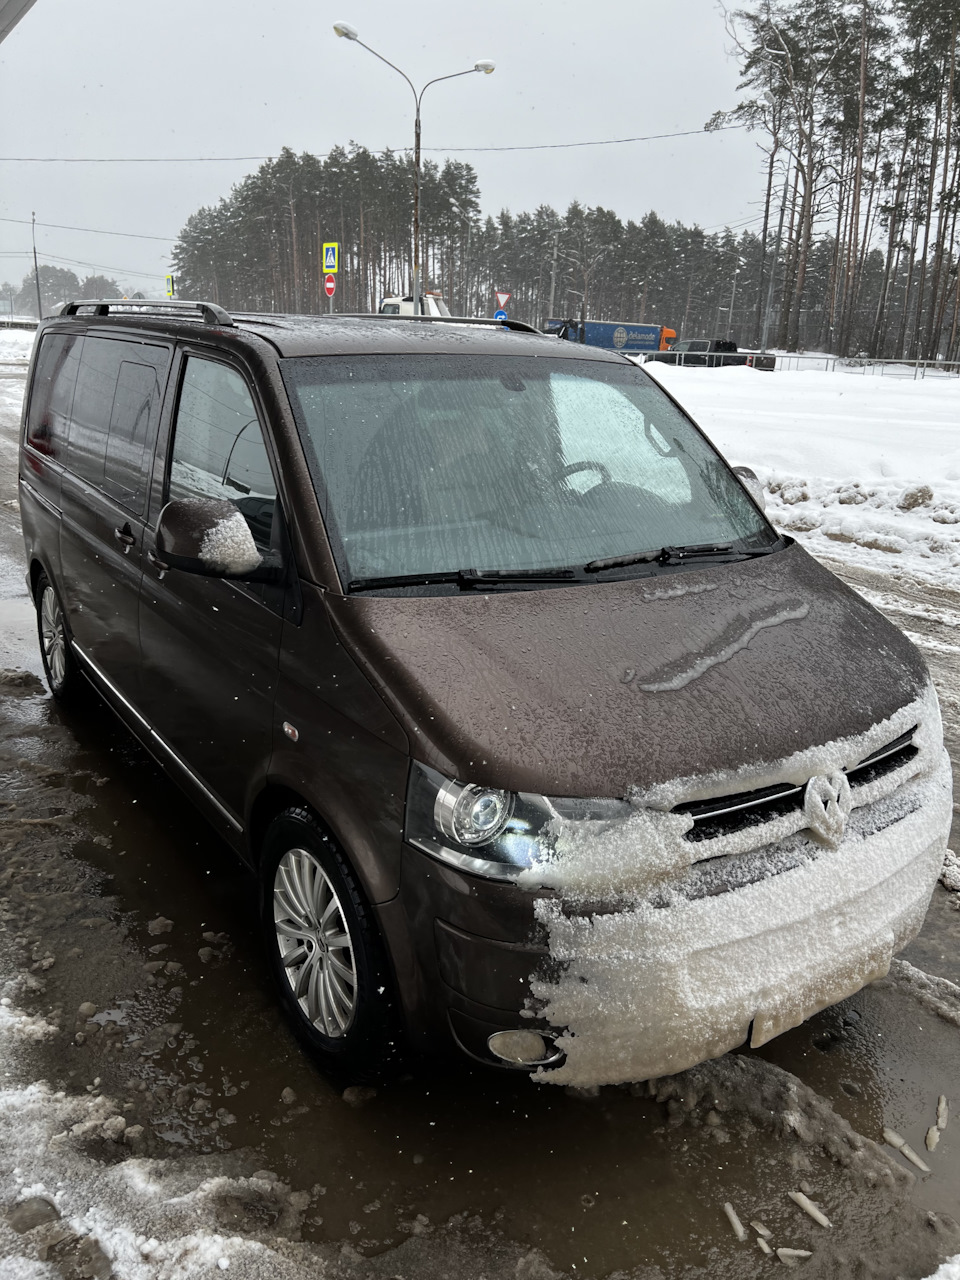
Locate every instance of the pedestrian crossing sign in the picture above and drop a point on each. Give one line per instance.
(331, 256)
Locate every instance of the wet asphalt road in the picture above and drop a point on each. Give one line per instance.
(150, 920)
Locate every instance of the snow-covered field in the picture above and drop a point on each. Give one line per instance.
(16, 344)
(858, 468)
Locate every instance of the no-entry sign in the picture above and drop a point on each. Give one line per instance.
(330, 286)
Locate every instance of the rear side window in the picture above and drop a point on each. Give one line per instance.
(115, 413)
(218, 448)
(51, 400)
(135, 404)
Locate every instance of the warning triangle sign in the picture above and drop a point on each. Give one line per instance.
(502, 298)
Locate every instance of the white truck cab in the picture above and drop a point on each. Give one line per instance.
(431, 304)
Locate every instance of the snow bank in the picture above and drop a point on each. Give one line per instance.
(16, 344)
(665, 973)
(865, 469)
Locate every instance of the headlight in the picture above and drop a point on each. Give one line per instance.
(487, 831)
(471, 815)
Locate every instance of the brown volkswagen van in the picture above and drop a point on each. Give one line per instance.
(544, 744)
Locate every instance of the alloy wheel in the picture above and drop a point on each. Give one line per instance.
(314, 944)
(53, 636)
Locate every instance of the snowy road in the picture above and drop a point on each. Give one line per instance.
(181, 1133)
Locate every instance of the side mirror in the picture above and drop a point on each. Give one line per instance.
(751, 482)
(209, 536)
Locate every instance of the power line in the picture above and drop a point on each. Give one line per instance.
(102, 266)
(541, 146)
(602, 142)
(59, 226)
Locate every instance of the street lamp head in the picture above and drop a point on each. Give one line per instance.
(485, 65)
(345, 29)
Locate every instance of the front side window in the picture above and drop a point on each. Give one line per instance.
(218, 448)
(436, 464)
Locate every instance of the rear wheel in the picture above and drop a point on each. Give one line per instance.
(325, 952)
(59, 664)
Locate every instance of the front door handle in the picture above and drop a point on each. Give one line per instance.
(125, 537)
(161, 566)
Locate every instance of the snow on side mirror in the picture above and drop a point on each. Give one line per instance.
(751, 482)
(208, 536)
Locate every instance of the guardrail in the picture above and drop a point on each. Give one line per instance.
(912, 369)
(14, 366)
(805, 362)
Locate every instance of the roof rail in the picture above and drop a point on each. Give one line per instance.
(520, 326)
(209, 312)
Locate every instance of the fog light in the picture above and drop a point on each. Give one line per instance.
(522, 1048)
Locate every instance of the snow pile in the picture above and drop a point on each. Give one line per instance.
(650, 983)
(865, 469)
(14, 1022)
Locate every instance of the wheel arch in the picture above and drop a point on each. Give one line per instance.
(360, 842)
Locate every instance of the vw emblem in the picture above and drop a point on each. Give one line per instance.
(619, 336)
(826, 806)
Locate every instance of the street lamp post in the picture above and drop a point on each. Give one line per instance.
(484, 65)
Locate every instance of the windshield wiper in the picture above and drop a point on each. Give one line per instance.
(465, 579)
(676, 555)
(617, 562)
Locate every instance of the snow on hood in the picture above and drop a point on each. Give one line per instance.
(594, 690)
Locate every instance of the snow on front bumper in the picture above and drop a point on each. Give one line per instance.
(652, 990)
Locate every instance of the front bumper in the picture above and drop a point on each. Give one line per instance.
(653, 990)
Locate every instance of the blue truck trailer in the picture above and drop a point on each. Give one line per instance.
(613, 335)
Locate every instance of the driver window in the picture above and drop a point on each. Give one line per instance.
(218, 448)
(600, 425)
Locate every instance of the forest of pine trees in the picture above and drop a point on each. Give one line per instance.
(855, 248)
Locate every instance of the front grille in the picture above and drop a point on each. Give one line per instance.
(893, 756)
(725, 815)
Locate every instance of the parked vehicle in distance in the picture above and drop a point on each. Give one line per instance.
(613, 335)
(544, 745)
(431, 304)
(713, 354)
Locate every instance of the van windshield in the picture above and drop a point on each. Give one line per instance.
(441, 463)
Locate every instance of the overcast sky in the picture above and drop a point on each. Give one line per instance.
(124, 78)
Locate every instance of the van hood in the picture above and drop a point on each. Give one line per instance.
(593, 690)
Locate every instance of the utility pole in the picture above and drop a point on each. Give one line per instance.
(553, 275)
(36, 269)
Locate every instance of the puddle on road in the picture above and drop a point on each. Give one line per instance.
(200, 1055)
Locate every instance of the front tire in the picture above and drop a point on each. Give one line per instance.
(59, 664)
(325, 953)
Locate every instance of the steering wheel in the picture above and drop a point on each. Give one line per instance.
(586, 465)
